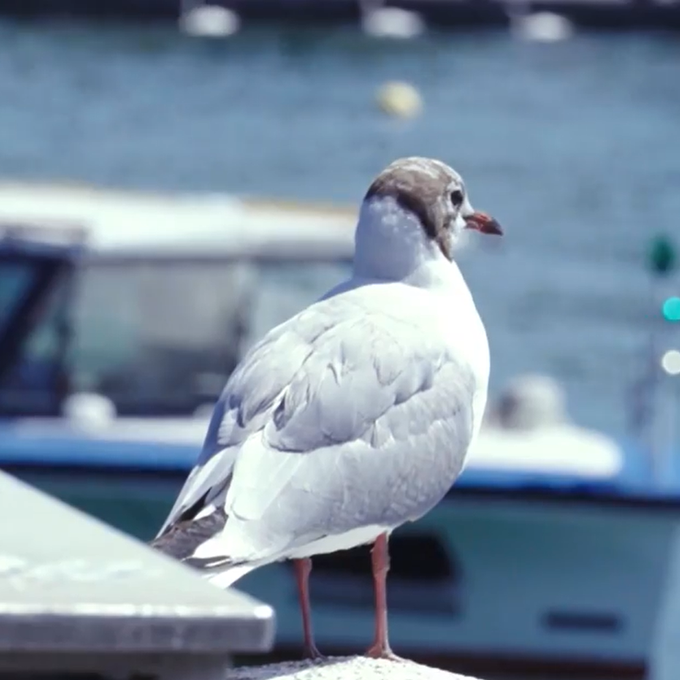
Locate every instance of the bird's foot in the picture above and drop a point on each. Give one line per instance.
(380, 651)
(312, 653)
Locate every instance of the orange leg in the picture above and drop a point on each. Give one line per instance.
(302, 569)
(380, 561)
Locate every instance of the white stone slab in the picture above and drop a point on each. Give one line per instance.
(343, 668)
(70, 584)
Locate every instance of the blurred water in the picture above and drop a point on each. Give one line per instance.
(573, 146)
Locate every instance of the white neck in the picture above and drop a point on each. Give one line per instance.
(390, 245)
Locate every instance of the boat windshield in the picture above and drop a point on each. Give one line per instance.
(15, 280)
(34, 284)
(160, 337)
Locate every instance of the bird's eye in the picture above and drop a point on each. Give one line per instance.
(456, 197)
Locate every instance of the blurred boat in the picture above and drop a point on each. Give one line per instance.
(466, 14)
(126, 364)
(548, 557)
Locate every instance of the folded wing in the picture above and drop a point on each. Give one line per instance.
(338, 419)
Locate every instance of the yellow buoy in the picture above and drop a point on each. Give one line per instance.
(400, 100)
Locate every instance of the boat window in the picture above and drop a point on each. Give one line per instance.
(413, 557)
(15, 279)
(425, 576)
(157, 337)
(161, 337)
(36, 384)
(285, 288)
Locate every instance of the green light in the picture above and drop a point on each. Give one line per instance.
(671, 309)
(662, 256)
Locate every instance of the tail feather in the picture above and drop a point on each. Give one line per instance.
(225, 577)
(181, 540)
(196, 543)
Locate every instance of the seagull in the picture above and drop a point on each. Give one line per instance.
(354, 416)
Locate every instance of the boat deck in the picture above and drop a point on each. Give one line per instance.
(165, 447)
(119, 222)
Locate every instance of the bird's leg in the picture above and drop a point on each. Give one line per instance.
(380, 561)
(302, 569)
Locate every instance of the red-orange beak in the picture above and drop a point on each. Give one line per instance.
(483, 223)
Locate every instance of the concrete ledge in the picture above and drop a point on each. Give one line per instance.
(79, 597)
(343, 668)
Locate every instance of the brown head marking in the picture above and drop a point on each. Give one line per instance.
(435, 194)
(422, 186)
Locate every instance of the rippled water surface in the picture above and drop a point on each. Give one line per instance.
(573, 146)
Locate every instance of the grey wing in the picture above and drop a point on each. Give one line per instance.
(242, 409)
(372, 430)
(338, 419)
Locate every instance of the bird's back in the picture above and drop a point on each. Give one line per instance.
(357, 411)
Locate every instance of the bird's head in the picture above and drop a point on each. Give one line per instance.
(418, 203)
